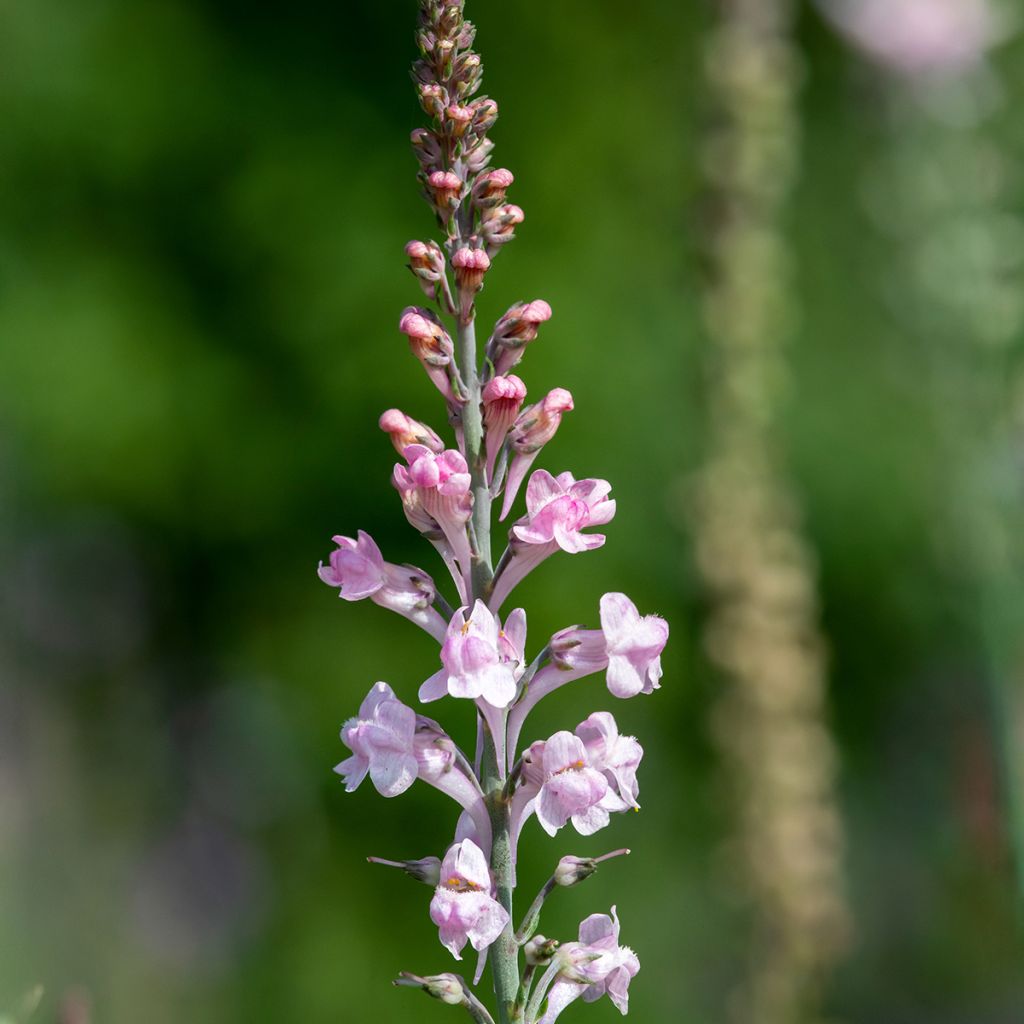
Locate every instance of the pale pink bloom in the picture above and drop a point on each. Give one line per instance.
(463, 908)
(534, 427)
(358, 569)
(629, 646)
(404, 431)
(558, 509)
(432, 345)
(435, 491)
(517, 327)
(616, 757)
(502, 399)
(475, 662)
(918, 37)
(595, 966)
(381, 741)
(572, 788)
(634, 644)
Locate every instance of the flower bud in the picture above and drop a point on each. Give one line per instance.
(404, 431)
(514, 331)
(540, 951)
(445, 189)
(500, 226)
(502, 399)
(426, 261)
(537, 424)
(479, 156)
(426, 869)
(431, 345)
(489, 189)
(485, 113)
(470, 266)
(447, 988)
(571, 870)
(467, 71)
(426, 148)
(458, 119)
(433, 99)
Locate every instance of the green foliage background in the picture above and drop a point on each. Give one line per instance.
(202, 211)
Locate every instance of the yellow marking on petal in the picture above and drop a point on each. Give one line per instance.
(465, 627)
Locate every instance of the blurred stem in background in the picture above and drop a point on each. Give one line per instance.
(762, 632)
(943, 192)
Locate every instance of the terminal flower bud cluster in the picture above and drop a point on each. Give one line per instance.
(451, 484)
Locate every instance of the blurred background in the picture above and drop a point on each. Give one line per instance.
(203, 205)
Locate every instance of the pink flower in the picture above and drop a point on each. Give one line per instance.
(358, 569)
(634, 644)
(470, 266)
(535, 426)
(629, 647)
(444, 188)
(517, 327)
(381, 741)
(558, 509)
(436, 497)
(476, 662)
(404, 431)
(426, 261)
(616, 757)
(432, 346)
(572, 788)
(463, 908)
(502, 399)
(595, 966)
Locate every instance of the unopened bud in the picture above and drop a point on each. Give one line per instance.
(479, 156)
(426, 147)
(426, 870)
(538, 423)
(467, 71)
(500, 226)
(539, 951)
(445, 189)
(446, 987)
(489, 189)
(470, 266)
(502, 399)
(433, 99)
(404, 431)
(485, 113)
(516, 329)
(459, 119)
(571, 870)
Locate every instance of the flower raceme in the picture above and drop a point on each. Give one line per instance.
(447, 489)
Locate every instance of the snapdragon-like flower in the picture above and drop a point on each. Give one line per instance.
(595, 966)
(435, 490)
(359, 571)
(628, 645)
(476, 660)
(381, 741)
(463, 908)
(616, 757)
(572, 788)
(558, 509)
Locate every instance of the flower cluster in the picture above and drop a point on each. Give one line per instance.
(580, 777)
